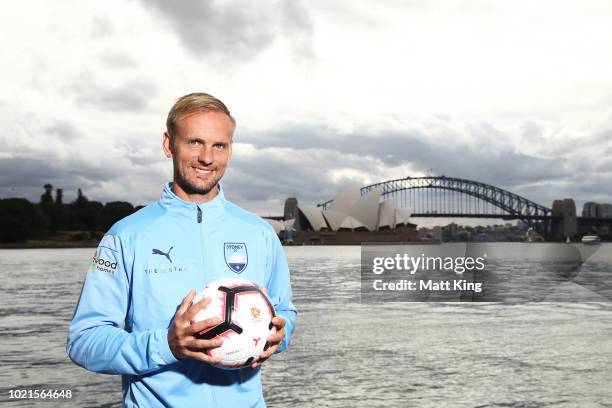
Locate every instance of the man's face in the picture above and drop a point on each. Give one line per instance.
(200, 151)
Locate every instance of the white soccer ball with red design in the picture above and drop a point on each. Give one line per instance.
(246, 314)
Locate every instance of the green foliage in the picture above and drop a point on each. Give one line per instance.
(12, 230)
(25, 216)
(21, 220)
(113, 212)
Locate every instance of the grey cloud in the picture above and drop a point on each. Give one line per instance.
(314, 151)
(532, 132)
(306, 175)
(25, 176)
(580, 187)
(302, 161)
(603, 137)
(143, 157)
(239, 29)
(62, 130)
(502, 167)
(119, 60)
(140, 149)
(568, 143)
(605, 166)
(132, 95)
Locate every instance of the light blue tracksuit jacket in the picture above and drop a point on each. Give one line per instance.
(143, 268)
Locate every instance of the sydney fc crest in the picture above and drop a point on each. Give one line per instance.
(236, 256)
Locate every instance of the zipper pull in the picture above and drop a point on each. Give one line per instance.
(199, 215)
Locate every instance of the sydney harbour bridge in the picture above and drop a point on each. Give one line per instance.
(450, 197)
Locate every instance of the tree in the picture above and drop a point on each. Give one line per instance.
(59, 196)
(21, 220)
(13, 230)
(85, 212)
(113, 212)
(81, 200)
(46, 199)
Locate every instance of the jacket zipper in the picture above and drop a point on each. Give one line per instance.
(199, 219)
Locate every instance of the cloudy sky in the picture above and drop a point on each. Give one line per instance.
(513, 93)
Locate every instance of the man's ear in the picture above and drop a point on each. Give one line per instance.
(167, 145)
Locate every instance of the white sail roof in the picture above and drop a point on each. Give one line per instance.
(314, 216)
(349, 209)
(351, 223)
(386, 214)
(402, 216)
(334, 218)
(366, 208)
(345, 199)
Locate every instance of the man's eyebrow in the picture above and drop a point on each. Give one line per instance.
(204, 141)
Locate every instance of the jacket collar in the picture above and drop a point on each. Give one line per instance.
(171, 202)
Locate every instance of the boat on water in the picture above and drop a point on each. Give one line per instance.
(590, 240)
(532, 236)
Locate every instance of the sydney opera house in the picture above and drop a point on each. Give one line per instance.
(351, 218)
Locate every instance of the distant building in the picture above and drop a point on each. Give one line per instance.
(589, 210)
(350, 218)
(605, 210)
(597, 210)
(290, 208)
(567, 226)
(350, 210)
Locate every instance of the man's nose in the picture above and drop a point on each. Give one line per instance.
(206, 155)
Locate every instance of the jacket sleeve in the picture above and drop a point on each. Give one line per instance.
(279, 287)
(97, 338)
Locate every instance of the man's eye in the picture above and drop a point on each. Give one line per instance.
(194, 142)
(219, 146)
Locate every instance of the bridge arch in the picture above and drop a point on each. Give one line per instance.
(510, 205)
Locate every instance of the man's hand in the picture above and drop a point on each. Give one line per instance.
(274, 340)
(182, 333)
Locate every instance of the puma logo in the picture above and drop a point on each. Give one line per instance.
(166, 254)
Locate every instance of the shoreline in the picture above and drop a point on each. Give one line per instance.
(47, 244)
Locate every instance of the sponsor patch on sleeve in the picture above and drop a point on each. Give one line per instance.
(106, 256)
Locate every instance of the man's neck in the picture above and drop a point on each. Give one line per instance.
(195, 198)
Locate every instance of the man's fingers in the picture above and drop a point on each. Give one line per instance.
(201, 345)
(258, 362)
(275, 338)
(278, 322)
(196, 307)
(185, 303)
(278, 331)
(269, 351)
(198, 355)
(265, 355)
(198, 327)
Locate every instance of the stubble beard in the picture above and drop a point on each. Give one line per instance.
(190, 187)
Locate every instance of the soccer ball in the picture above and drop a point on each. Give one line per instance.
(246, 314)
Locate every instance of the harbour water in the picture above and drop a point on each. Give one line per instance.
(344, 352)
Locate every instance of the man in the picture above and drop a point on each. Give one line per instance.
(134, 313)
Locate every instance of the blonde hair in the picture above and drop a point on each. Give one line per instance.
(194, 102)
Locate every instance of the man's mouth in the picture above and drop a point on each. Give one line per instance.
(203, 172)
